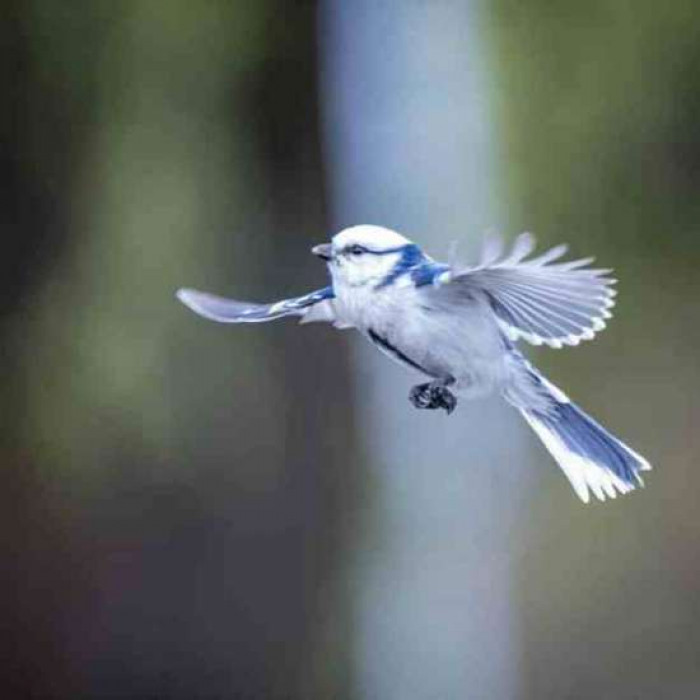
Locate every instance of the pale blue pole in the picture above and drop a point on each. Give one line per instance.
(411, 145)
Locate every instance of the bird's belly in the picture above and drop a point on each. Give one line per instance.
(443, 342)
(468, 348)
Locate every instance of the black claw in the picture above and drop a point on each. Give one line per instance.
(449, 401)
(433, 395)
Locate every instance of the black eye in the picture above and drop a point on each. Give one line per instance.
(356, 250)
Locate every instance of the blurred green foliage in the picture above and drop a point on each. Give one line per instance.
(599, 113)
(599, 107)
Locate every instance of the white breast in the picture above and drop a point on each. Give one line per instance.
(464, 343)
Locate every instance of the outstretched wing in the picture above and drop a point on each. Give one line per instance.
(538, 300)
(316, 306)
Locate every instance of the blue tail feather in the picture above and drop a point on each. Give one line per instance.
(586, 437)
(591, 457)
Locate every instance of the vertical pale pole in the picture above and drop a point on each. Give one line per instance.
(411, 146)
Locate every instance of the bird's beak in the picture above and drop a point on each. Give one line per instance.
(325, 251)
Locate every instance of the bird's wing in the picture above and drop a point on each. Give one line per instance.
(315, 306)
(538, 300)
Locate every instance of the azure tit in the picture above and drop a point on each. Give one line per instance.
(457, 326)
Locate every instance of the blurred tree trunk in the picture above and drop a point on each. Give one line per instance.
(173, 488)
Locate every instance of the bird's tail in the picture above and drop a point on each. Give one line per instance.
(587, 453)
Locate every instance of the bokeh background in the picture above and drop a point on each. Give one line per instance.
(197, 511)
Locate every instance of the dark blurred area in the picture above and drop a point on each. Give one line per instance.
(184, 506)
(169, 525)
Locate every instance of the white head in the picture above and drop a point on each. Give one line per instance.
(363, 255)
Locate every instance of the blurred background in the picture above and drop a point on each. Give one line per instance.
(197, 511)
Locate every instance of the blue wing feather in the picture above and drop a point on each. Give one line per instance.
(224, 310)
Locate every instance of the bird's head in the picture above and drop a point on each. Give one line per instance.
(367, 256)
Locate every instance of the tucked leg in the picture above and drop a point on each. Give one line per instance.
(434, 395)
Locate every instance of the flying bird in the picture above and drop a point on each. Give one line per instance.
(458, 326)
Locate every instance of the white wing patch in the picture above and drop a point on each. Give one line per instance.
(538, 300)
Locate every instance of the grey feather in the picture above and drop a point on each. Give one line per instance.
(555, 304)
(225, 310)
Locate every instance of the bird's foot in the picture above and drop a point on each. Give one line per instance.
(433, 395)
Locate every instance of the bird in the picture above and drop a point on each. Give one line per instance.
(458, 326)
